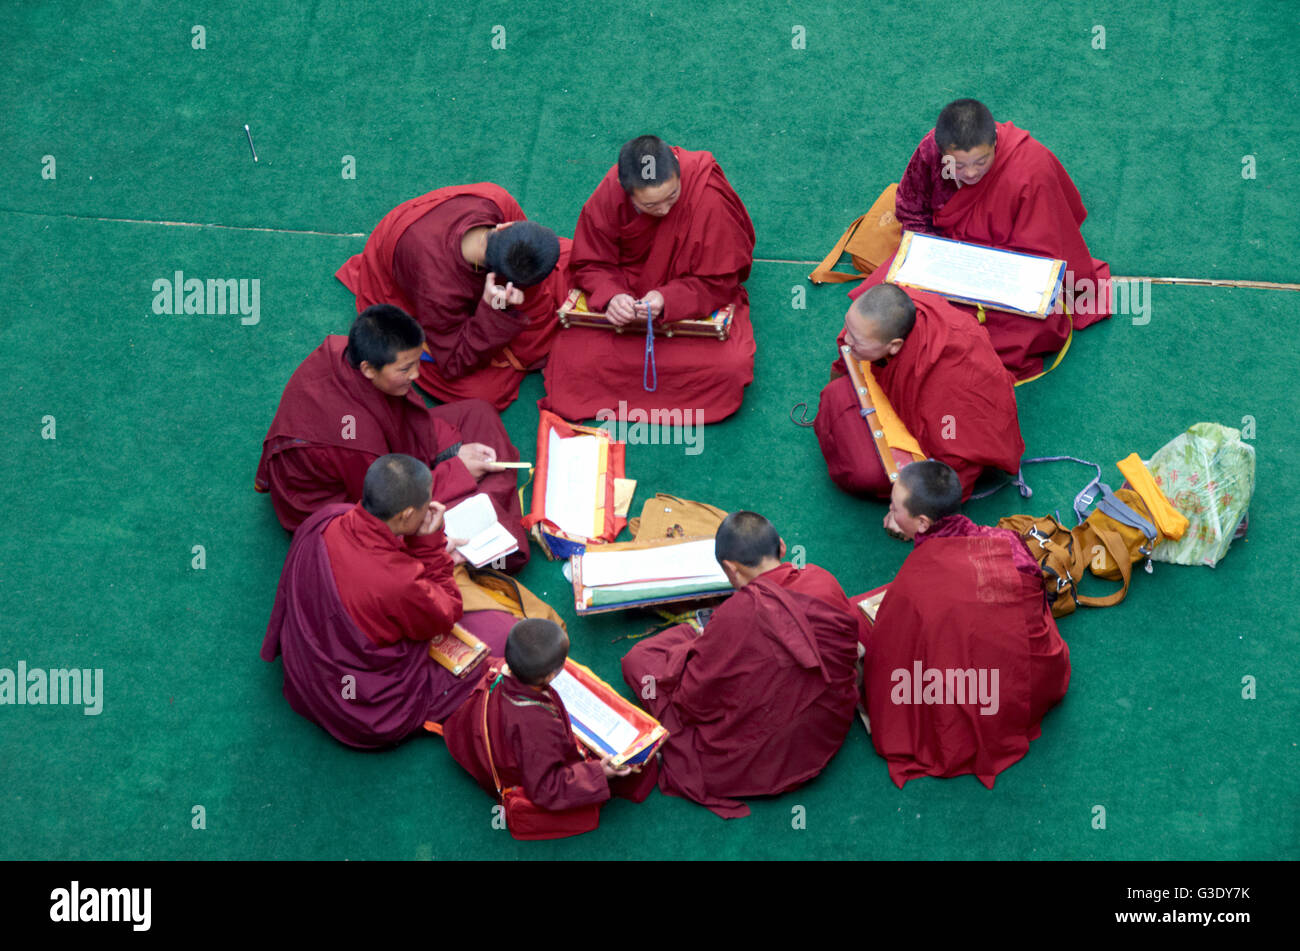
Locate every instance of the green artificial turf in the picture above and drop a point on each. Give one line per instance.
(159, 418)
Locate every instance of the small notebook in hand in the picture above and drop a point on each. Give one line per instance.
(475, 521)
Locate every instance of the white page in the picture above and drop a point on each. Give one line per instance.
(572, 481)
(486, 546)
(596, 715)
(689, 560)
(470, 518)
(965, 270)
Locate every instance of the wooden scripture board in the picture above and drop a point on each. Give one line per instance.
(574, 313)
(892, 458)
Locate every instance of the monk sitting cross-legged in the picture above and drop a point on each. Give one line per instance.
(531, 739)
(663, 231)
(759, 702)
(364, 588)
(942, 378)
(986, 182)
(483, 281)
(351, 402)
(964, 659)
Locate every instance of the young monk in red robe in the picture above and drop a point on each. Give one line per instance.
(665, 231)
(351, 402)
(760, 701)
(942, 378)
(964, 659)
(483, 282)
(973, 179)
(531, 739)
(363, 590)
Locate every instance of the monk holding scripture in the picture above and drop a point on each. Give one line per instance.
(524, 738)
(942, 378)
(964, 659)
(973, 179)
(351, 401)
(665, 233)
(759, 702)
(483, 281)
(364, 589)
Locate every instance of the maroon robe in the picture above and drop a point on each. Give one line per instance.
(698, 256)
(968, 597)
(760, 701)
(356, 601)
(1026, 202)
(413, 260)
(534, 747)
(312, 457)
(947, 386)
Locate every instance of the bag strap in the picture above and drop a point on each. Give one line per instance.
(1082, 500)
(1113, 506)
(1119, 554)
(823, 273)
(487, 737)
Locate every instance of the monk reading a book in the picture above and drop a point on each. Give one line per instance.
(977, 180)
(964, 658)
(483, 281)
(351, 402)
(759, 702)
(665, 233)
(531, 740)
(941, 376)
(365, 587)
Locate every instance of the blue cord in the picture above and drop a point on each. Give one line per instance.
(648, 368)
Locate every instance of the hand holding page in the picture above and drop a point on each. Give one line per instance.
(475, 520)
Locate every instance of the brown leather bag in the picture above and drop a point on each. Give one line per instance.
(1065, 555)
(1116, 534)
(668, 516)
(871, 241)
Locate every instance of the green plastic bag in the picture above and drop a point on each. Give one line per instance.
(1208, 474)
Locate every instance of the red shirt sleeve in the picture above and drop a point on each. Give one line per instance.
(687, 298)
(913, 202)
(431, 603)
(594, 250)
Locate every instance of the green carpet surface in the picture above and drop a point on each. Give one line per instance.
(159, 418)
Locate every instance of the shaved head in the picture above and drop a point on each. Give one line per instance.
(963, 125)
(535, 649)
(395, 483)
(886, 312)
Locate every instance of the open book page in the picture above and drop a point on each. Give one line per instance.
(970, 271)
(592, 717)
(692, 560)
(470, 518)
(573, 481)
(475, 522)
